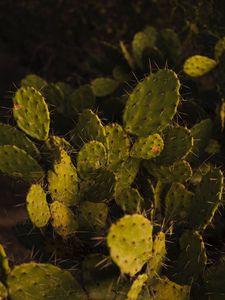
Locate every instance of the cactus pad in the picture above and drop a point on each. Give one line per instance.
(63, 181)
(4, 263)
(43, 281)
(63, 219)
(16, 162)
(129, 199)
(118, 145)
(88, 128)
(3, 291)
(130, 243)
(147, 147)
(126, 172)
(91, 157)
(34, 81)
(31, 113)
(37, 206)
(140, 43)
(9, 135)
(136, 287)
(198, 65)
(152, 104)
(92, 216)
(219, 48)
(102, 87)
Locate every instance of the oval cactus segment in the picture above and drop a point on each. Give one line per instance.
(32, 80)
(91, 157)
(4, 263)
(43, 281)
(152, 104)
(37, 206)
(63, 219)
(140, 43)
(3, 291)
(147, 147)
(9, 135)
(130, 243)
(129, 199)
(198, 65)
(219, 48)
(31, 113)
(63, 180)
(88, 128)
(164, 289)
(16, 162)
(118, 145)
(178, 143)
(102, 87)
(136, 287)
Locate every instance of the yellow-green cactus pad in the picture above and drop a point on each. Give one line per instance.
(198, 65)
(4, 263)
(37, 206)
(152, 104)
(103, 86)
(31, 113)
(63, 180)
(3, 291)
(63, 219)
(129, 199)
(32, 80)
(136, 287)
(147, 147)
(130, 243)
(16, 162)
(9, 135)
(43, 281)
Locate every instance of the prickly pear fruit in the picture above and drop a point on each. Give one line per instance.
(130, 243)
(198, 65)
(31, 113)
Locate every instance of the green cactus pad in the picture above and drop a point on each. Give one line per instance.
(4, 263)
(82, 98)
(127, 56)
(16, 162)
(219, 48)
(129, 199)
(100, 281)
(37, 206)
(102, 87)
(207, 198)
(198, 65)
(91, 157)
(34, 81)
(9, 135)
(190, 263)
(3, 291)
(201, 132)
(55, 97)
(92, 216)
(99, 186)
(118, 145)
(179, 171)
(31, 113)
(88, 128)
(178, 143)
(152, 104)
(147, 147)
(164, 289)
(130, 243)
(178, 203)
(43, 281)
(213, 147)
(54, 144)
(63, 181)
(126, 172)
(136, 287)
(63, 219)
(158, 256)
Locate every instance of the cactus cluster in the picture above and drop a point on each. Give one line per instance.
(129, 199)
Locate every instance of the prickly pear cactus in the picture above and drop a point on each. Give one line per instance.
(4, 263)
(37, 206)
(136, 287)
(32, 80)
(198, 65)
(63, 220)
(130, 243)
(16, 162)
(152, 104)
(31, 113)
(3, 291)
(43, 281)
(63, 180)
(129, 199)
(102, 87)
